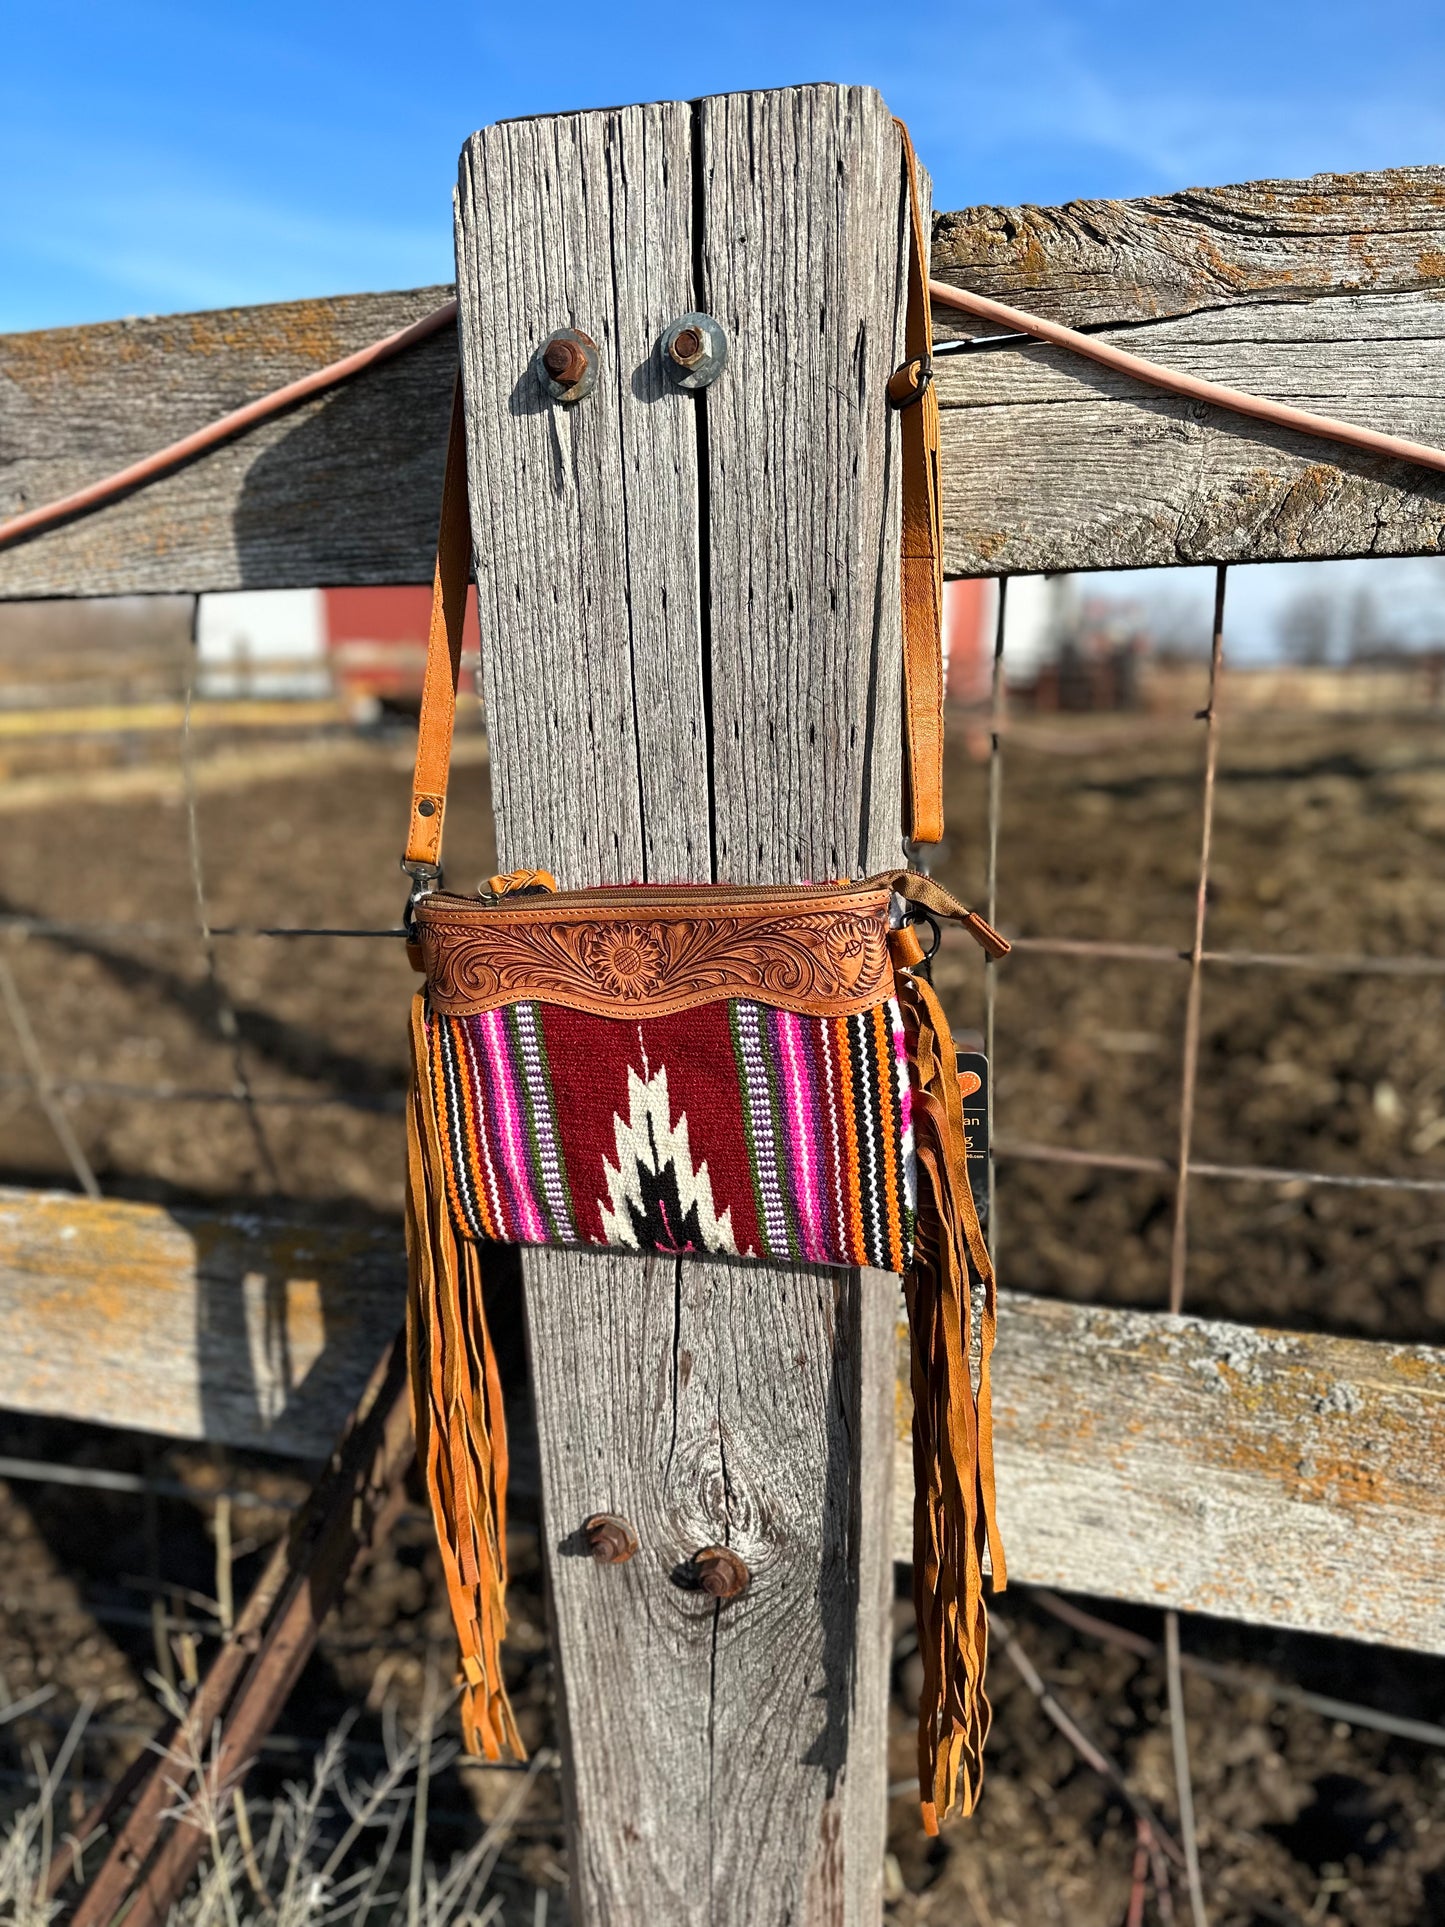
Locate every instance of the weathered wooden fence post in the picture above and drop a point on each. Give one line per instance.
(691, 660)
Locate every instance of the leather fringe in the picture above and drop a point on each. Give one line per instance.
(954, 1520)
(462, 1439)
(461, 1433)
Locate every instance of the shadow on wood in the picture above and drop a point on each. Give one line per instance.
(1325, 292)
(244, 1329)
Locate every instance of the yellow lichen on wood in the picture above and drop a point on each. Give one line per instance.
(236, 1328)
(1215, 1467)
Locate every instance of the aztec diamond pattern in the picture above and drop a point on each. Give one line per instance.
(734, 1129)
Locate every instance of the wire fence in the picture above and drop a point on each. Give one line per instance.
(58, 1094)
(1183, 1167)
(177, 1620)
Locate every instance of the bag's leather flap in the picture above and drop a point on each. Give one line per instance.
(822, 957)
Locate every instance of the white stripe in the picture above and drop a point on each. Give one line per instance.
(765, 1150)
(547, 1155)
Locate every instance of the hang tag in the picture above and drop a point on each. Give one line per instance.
(973, 1084)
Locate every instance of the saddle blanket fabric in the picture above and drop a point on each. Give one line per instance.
(732, 1129)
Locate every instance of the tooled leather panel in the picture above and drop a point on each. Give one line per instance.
(622, 961)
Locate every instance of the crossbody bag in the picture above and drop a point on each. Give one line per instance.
(747, 1071)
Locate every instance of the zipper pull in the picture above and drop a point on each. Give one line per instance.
(914, 887)
(993, 943)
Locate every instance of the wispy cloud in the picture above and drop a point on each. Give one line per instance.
(149, 236)
(306, 161)
(1069, 106)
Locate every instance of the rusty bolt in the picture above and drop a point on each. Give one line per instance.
(610, 1540)
(566, 365)
(694, 350)
(720, 1572)
(687, 347)
(565, 362)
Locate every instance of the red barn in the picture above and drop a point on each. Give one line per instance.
(376, 641)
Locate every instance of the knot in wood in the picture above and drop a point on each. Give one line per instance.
(721, 1574)
(610, 1539)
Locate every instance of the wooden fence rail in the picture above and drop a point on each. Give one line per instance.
(339, 490)
(1329, 293)
(1176, 1462)
(243, 1329)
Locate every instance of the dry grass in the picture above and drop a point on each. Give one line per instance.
(332, 1849)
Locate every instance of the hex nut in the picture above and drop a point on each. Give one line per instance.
(565, 362)
(694, 351)
(610, 1539)
(721, 1574)
(566, 365)
(687, 346)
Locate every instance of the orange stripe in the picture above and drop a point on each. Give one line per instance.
(853, 1176)
(469, 1129)
(439, 1107)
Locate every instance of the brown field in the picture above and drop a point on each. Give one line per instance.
(1330, 837)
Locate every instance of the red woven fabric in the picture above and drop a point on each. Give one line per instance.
(733, 1129)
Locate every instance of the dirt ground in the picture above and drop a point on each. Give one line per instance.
(1330, 837)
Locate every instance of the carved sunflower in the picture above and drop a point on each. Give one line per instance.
(627, 958)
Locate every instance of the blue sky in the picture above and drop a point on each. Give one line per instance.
(158, 157)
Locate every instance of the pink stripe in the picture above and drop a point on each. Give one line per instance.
(827, 1038)
(481, 1115)
(511, 1132)
(905, 1082)
(803, 1129)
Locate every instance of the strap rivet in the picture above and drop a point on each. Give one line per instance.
(694, 351)
(566, 365)
(426, 807)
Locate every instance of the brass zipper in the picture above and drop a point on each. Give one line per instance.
(683, 895)
(702, 896)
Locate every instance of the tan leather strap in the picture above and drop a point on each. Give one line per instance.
(921, 585)
(443, 663)
(912, 391)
